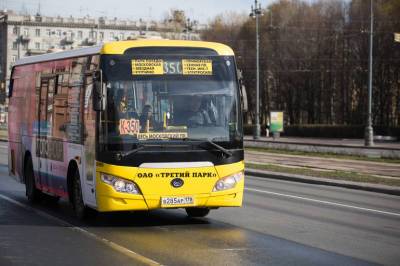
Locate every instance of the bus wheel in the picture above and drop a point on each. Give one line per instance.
(81, 211)
(32, 193)
(197, 212)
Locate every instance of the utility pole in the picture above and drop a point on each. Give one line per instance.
(255, 13)
(369, 134)
(19, 38)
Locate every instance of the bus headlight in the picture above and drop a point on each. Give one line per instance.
(119, 184)
(228, 182)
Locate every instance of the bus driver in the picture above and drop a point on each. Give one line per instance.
(197, 113)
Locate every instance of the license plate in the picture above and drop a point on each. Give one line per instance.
(177, 201)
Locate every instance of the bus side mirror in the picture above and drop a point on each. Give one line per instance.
(243, 93)
(99, 91)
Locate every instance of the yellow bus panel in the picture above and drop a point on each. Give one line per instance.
(155, 183)
(121, 46)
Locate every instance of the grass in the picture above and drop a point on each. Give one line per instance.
(335, 175)
(325, 155)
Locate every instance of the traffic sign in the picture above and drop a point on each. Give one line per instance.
(276, 121)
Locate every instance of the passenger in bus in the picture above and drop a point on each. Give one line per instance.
(145, 118)
(124, 109)
(122, 104)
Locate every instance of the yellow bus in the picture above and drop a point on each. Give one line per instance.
(129, 125)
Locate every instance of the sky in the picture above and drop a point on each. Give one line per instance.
(201, 10)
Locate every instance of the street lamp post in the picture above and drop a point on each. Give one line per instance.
(255, 13)
(369, 134)
(189, 27)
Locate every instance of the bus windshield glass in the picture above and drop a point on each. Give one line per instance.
(152, 98)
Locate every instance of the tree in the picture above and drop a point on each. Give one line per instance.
(314, 59)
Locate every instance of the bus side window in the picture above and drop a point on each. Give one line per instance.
(50, 105)
(60, 108)
(43, 106)
(75, 95)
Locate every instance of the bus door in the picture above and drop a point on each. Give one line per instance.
(89, 121)
(45, 126)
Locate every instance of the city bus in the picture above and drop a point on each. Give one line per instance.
(129, 125)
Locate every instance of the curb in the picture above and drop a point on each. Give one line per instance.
(324, 181)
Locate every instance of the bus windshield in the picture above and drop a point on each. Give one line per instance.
(152, 98)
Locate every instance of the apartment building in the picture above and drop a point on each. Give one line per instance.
(26, 35)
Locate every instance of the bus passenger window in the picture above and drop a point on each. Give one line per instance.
(60, 108)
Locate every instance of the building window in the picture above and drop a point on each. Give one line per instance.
(58, 33)
(26, 32)
(13, 58)
(37, 45)
(25, 46)
(37, 32)
(48, 32)
(15, 30)
(101, 35)
(121, 37)
(80, 34)
(15, 46)
(111, 35)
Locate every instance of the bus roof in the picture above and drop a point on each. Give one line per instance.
(119, 47)
(59, 55)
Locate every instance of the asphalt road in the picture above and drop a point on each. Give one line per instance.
(281, 223)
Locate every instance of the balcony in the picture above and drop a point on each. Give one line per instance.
(35, 52)
(24, 38)
(67, 41)
(89, 42)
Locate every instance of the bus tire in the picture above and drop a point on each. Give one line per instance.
(197, 212)
(81, 211)
(32, 193)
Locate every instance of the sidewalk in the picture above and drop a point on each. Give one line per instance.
(355, 147)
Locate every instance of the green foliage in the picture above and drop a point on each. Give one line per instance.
(326, 131)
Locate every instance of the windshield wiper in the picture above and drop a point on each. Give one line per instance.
(122, 155)
(139, 147)
(227, 153)
(224, 151)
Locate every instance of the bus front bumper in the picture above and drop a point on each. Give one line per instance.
(109, 200)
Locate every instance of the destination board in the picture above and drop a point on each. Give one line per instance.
(197, 67)
(147, 67)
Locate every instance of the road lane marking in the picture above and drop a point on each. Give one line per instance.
(323, 202)
(105, 241)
